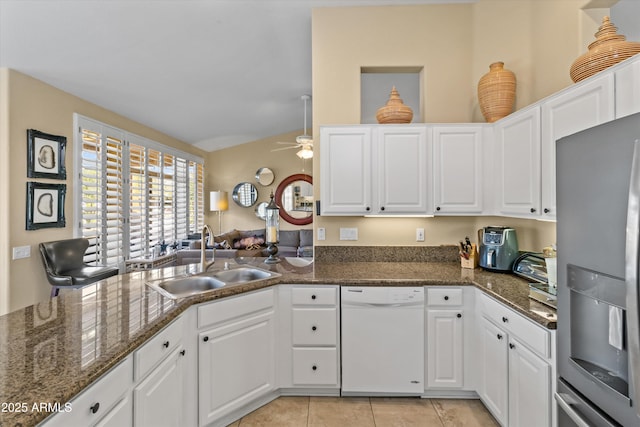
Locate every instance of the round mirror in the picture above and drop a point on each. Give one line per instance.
(294, 196)
(245, 194)
(264, 176)
(261, 210)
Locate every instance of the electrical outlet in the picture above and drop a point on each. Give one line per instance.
(419, 234)
(20, 252)
(321, 233)
(348, 233)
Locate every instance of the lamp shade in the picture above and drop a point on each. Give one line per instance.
(218, 201)
(305, 153)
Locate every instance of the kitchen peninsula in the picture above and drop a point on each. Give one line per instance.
(53, 350)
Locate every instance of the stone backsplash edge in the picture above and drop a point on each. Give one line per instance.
(444, 253)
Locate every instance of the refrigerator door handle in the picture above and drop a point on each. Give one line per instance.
(564, 401)
(631, 274)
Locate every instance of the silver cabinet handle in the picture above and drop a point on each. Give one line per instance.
(563, 400)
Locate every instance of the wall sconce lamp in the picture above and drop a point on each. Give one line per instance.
(219, 202)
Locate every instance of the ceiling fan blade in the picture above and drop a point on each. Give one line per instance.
(287, 143)
(284, 148)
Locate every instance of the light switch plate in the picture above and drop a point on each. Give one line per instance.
(348, 233)
(20, 252)
(321, 233)
(419, 234)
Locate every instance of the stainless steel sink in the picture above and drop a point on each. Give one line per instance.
(242, 275)
(192, 285)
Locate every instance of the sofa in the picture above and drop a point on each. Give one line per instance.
(246, 243)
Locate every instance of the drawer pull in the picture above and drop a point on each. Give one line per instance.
(314, 367)
(499, 336)
(183, 352)
(512, 345)
(94, 408)
(446, 297)
(205, 339)
(459, 315)
(504, 319)
(313, 296)
(166, 344)
(313, 328)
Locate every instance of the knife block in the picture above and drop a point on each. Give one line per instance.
(472, 262)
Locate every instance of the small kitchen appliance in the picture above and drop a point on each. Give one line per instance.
(498, 248)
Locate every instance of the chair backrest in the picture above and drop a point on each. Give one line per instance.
(64, 255)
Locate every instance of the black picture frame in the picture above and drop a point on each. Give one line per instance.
(46, 155)
(45, 205)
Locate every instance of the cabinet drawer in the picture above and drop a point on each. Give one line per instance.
(315, 366)
(444, 296)
(314, 296)
(157, 348)
(535, 337)
(99, 399)
(232, 308)
(314, 326)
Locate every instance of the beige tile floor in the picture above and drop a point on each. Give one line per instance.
(368, 412)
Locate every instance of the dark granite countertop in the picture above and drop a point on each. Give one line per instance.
(51, 351)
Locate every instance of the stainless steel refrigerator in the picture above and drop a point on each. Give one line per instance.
(598, 223)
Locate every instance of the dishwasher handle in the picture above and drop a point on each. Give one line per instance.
(356, 304)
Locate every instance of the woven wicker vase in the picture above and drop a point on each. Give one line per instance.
(497, 92)
(394, 111)
(608, 49)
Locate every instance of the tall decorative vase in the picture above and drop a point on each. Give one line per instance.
(497, 92)
(608, 49)
(394, 111)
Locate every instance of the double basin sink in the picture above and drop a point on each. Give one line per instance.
(184, 286)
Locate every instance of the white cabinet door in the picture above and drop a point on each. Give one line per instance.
(445, 348)
(628, 87)
(402, 171)
(529, 387)
(345, 168)
(579, 108)
(236, 365)
(158, 398)
(457, 169)
(493, 372)
(518, 164)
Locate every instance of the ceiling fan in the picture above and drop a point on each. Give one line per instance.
(303, 142)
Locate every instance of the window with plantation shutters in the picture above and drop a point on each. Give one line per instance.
(134, 193)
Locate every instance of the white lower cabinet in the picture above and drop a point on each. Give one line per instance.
(516, 358)
(236, 354)
(107, 402)
(158, 398)
(445, 338)
(308, 335)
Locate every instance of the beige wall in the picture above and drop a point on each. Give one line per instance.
(228, 167)
(33, 104)
(536, 39)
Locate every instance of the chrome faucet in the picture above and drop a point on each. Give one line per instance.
(204, 265)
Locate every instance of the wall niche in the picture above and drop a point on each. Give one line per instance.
(376, 84)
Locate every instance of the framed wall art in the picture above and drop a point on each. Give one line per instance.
(45, 205)
(45, 155)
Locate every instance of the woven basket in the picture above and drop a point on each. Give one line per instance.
(608, 49)
(497, 92)
(394, 111)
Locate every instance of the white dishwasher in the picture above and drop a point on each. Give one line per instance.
(382, 340)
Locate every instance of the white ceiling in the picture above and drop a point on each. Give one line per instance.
(212, 73)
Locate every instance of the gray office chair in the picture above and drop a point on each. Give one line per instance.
(65, 266)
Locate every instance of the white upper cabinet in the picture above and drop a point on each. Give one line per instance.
(401, 170)
(581, 107)
(457, 169)
(345, 167)
(374, 170)
(517, 168)
(628, 87)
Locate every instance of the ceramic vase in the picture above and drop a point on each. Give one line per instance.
(497, 92)
(394, 111)
(608, 49)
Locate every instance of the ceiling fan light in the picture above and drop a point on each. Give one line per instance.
(305, 153)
